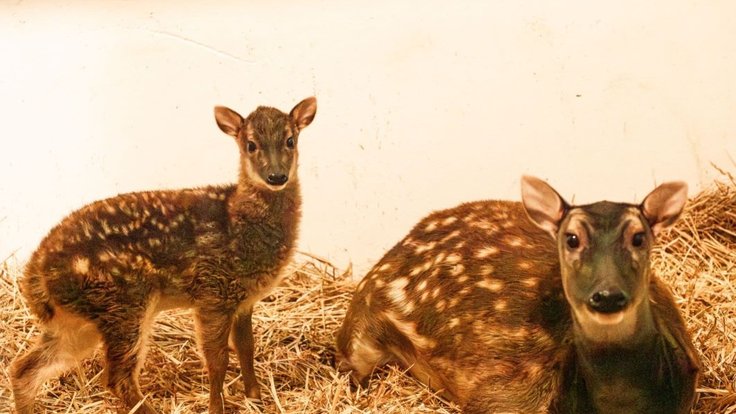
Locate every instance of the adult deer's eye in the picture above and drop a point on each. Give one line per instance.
(572, 241)
(290, 143)
(252, 147)
(637, 240)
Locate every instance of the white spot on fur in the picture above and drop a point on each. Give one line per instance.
(384, 267)
(484, 225)
(530, 282)
(420, 269)
(450, 236)
(486, 251)
(448, 221)
(435, 292)
(454, 322)
(524, 265)
(397, 294)
(105, 227)
(421, 286)
(457, 270)
(424, 248)
(440, 257)
(486, 270)
(514, 241)
(453, 258)
(409, 329)
(86, 228)
(500, 305)
(490, 284)
(81, 265)
(462, 279)
(431, 226)
(361, 285)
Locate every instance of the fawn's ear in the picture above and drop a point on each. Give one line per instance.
(542, 203)
(663, 206)
(228, 120)
(303, 113)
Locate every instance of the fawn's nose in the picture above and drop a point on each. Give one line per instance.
(608, 301)
(277, 179)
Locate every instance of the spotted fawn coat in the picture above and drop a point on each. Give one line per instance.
(499, 314)
(106, 270)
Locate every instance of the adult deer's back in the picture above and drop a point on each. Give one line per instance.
(558, 313)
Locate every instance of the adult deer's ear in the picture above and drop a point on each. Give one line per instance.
(228, 120)
(303, 113)
(543, 204)
(664, 205)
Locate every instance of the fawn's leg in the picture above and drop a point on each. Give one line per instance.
(53, 353)
(241, 339)
(213, 330)
(125, 339)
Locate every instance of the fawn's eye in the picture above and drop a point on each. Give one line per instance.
(572, 241)
(252, 147)
(637, 240)
(290, 143)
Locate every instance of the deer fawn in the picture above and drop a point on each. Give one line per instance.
(106, 270)
(481, 304)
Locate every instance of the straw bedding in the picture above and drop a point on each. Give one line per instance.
(295, 327)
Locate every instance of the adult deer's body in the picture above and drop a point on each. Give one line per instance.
(505, 314)
(107, 269)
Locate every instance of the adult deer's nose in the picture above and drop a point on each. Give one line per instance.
(608, 301)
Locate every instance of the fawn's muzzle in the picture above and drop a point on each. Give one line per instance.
(608, 301)
(277, 179)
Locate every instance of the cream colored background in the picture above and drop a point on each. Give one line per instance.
(422, 105)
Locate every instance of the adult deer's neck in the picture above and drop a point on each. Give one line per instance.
(617, 376)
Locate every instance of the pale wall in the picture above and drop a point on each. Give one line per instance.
(422, 105)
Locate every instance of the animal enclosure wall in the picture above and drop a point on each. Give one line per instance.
(420, 107)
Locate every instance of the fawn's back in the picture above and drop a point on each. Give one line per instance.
(144, 243)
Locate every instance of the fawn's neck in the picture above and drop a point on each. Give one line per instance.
(251, 204)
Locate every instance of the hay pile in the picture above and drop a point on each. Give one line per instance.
(697, 258)
(295, 328)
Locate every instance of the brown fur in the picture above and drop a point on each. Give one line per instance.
(104, 272)
(472, 303)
